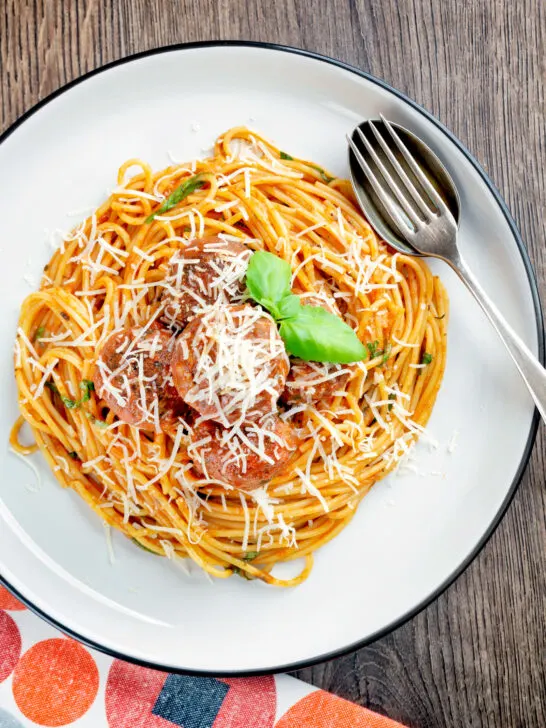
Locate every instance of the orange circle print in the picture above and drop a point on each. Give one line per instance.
(55, 682)
(9, 602)
(324, 710)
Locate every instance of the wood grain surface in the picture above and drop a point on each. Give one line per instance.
(476, 657)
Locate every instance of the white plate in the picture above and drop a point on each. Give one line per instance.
(413, 533)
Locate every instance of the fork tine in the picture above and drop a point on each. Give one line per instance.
(411, 188)
(389, 179)
(380, 192)
(421, 176)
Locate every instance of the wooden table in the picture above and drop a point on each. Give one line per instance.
(476, 656)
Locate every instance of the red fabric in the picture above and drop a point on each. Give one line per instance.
(250, 702)
(10, 645)
(131, 692)
(55, 682)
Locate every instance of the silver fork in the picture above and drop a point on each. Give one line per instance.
(423, 219)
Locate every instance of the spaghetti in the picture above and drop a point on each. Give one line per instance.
(109, 274)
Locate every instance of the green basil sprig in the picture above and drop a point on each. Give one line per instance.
(177, 195)
(309, 332)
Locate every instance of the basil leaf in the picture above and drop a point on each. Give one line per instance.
(69, 403)
(386, 353)
(289, 307)
(250, 555)
(40, 331)
(182, 191)
(284, 155)
(268, 279)
(51, 385)
(391, 405)
(309, 332)
(318, 335)
(427, 358)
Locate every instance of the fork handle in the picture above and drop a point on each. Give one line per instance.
(532, 371)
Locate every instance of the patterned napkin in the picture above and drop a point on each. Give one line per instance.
(47, 679)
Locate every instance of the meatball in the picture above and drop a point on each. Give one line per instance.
(248, 460)
(132, 375)
(230, 364)
(311, 381)
(205, 271)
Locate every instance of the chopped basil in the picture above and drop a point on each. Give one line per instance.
(386, 353)
(181, 192)
(325, 177)
(144, 548)
(87, 386)
(391, 396)
(38, 334)
(74, 455)
(250, 555)
(239, 572)
(373, 349)
(52, 386)
(284, 155)
(95, 421)
(427, 358)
